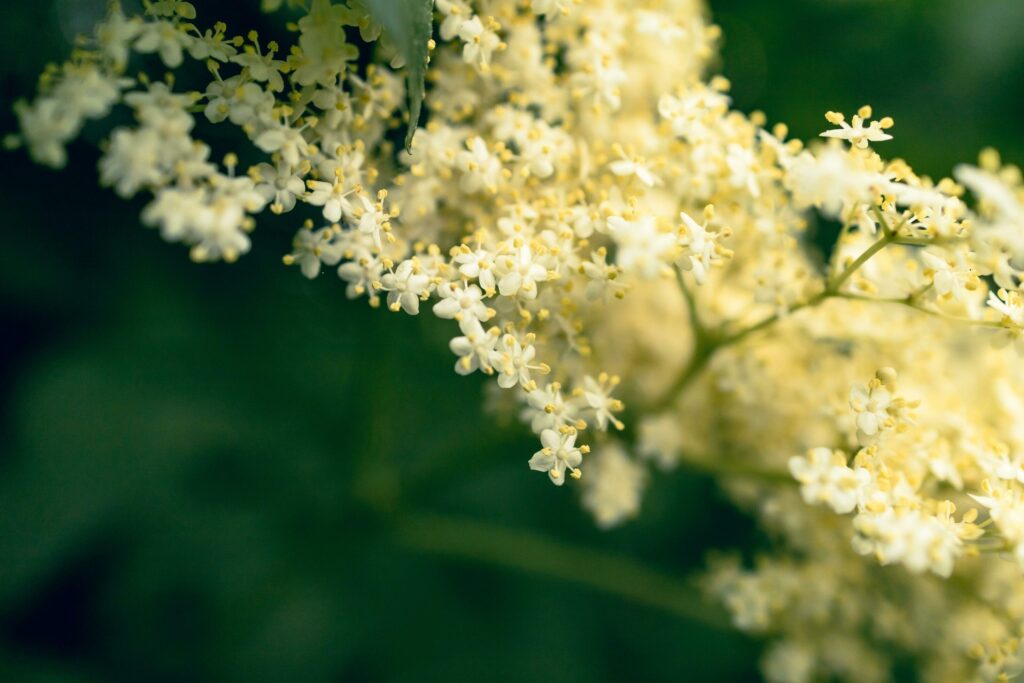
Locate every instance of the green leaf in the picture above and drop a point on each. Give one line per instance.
(409, 23)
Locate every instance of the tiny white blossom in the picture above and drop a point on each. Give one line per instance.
(460, 302)
(548, 409)
(514, 360)
(825, 478)
(520, 274)
(701, 246)
(406, 285)
(634, 166)
(558, 453)
(165, 38)
(312, 248)
(280, 185)
(480, 43)
(876, 408)
(475, 348)
(595, 394)
(335, 198)
(477, 264)
(481, 170)
(643, 247)
(856, 134)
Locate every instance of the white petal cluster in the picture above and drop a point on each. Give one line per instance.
(597, 227)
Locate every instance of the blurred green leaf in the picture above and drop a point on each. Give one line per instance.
(409, 23)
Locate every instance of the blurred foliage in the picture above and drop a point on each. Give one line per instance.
(202, 469)
(408, 23)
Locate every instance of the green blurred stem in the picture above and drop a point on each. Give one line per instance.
(732, 468)
(532, 553)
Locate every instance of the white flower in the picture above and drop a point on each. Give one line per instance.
(218, 98)
(456, 13)
(280, 185)
(133, 161)
(918, 540)
(993, 190)
(702, 249)
(829, 179)
(1005, 504)
(613, 486)
(1009, 304)
(602, 277)
(176, 212)
(475, 347)
(596, 395)
(558, 453)
(285, 140)
(261, 67)
(116, 33)
(313, 248)
(481, 170)
(362, 270)
(324, 51)
(88, 92)
(951, 273)
(477, 264)
(598, 78)
(514, 361)
(743, 166)
(334, 197)
(549, 410)
(164, 37)
(45, 127)
(634, 166)
(694, 114)
(480, 43)
(643, 247)
(250, 104)
(825, 478)
(520, 274)
(373, 220)
(460, 302)
(213, 221)
(211, 45)
(405, 286)
(856, 134)
(876, 408)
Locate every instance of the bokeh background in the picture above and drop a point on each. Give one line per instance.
(205, 472)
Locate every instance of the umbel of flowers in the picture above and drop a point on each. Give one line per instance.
(601, 228)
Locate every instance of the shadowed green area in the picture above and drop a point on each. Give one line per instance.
(229, 473)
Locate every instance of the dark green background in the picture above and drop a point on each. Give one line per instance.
(201, 468)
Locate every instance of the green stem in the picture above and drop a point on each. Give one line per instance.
(691, 303)
(773, 318)
(911, 302)
(702, 353)
(526, 551)
(708, 342)
(886, 239)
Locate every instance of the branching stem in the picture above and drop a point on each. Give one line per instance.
(709, 341)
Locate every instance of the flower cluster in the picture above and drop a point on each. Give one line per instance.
(601, 228)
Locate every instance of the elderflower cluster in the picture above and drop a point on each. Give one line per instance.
(599, 229)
